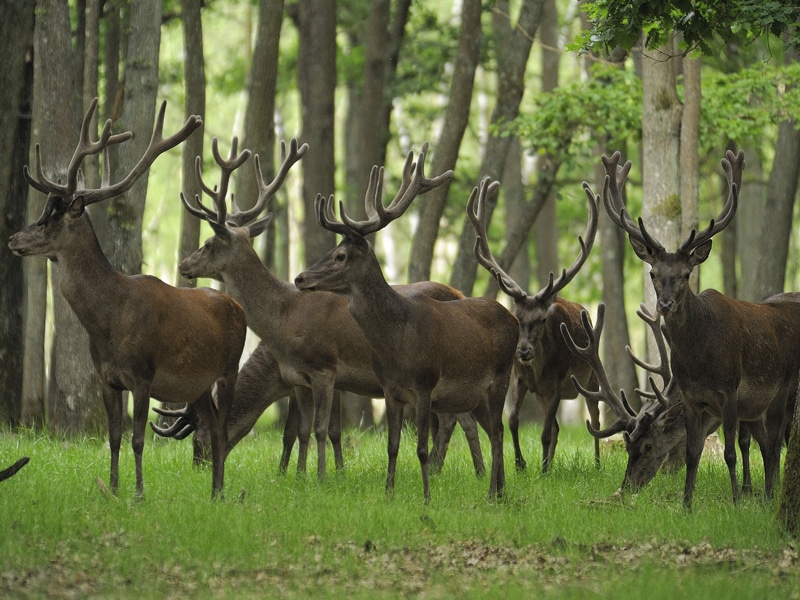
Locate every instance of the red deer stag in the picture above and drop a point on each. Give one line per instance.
(145, 336)
(543, 364)
(312, 337)
(451, 356)
(731, 360)
(657, 433)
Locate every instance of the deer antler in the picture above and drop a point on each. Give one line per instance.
(590, 353)
(219, 192)
(733, 166)
(240, 218)
(653, 321)
(414, 183)
(476, 211)
(86, 147)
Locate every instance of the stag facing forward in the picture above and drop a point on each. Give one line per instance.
(449, 357)
(731, 360)
(172, 344)
(543, 364)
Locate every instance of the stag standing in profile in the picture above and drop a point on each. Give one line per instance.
(731, 360)
(314, 342)
(448, 357)
(543, 364)
(155, 340)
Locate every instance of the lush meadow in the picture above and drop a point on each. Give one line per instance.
(562, 535)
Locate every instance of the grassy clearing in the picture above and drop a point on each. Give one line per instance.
(555, 536)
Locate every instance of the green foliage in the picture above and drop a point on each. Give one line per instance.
(566, 122)
(555, 536)
(621, 23)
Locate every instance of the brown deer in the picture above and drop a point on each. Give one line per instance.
(13, 469)
(543, 364)
(451, 356)
(171, 344)
(312, 338)
(731, 360)
(655, 436)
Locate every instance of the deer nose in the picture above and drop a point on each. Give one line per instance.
(525, 353)
(666, 306)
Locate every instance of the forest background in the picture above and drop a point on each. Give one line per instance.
(530, 93)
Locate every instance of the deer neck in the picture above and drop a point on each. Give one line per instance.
(255, 287)
(381, 313)
(686, 326)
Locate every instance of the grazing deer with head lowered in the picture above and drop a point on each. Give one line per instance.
(312, 338)
(731, 360)
(656, 434)
(543, 364)
(172, 344)
(451, 356)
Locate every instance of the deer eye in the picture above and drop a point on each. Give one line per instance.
(647, 448)
(339, 258)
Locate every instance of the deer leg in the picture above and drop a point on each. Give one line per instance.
(208, 415)
(469, 425)
(323, 398)
(201, 444)
(775, 426)
(489, 414)
(305, 404)
(730, 423)
(290, 434)
(593, 407)
(423, 431)
(518, 391)
(550, 433)
(141, 404)
(745, 436)
(441, 429)
(226, 388)
(112, 398)
(394, 425)
(335, 430)
(695, 441)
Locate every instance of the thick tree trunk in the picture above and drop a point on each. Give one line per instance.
(16, 41)
(446, 150)
(514, 45)
(789, 505)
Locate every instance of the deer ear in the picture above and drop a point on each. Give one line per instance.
(700, 254)
(219, 230)
(258, 227)
(645, 253)
(76, 207)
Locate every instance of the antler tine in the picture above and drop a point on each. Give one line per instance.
(653, 321)
(267, 191)
(157, 146)
(586, 242)
(476, 212)
(590, 353)
(326, 217)
(733, 165)
(615, 179)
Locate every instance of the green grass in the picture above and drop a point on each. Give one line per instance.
(553, 536)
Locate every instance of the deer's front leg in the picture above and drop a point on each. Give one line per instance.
(112, 399)
(323, 400)
(518, 391)
(695, 441)
(730, 424)
(394, 424)
(141, 404)
(423, 432)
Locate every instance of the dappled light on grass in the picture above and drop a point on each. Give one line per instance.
(292, 536)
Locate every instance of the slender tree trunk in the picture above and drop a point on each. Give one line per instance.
(689, 160)
(789, 504)
(446, 150)
(16, 44)
(513, 55)
(195, 86)
(749, 220)
(317, 83)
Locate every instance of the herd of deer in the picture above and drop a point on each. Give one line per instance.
(342, 327)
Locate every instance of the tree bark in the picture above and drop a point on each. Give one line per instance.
(16, 41)
(195, 86)
(317, 83)
(514, 45)
(445, 156)
(789, 504)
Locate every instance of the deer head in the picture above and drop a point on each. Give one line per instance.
(531, 310)
(65, 204)
(669, 271)
(237, 226)
(353, 259)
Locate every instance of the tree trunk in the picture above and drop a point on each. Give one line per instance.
(689, 160)
(445, 155)
(514, 45)
(195, 86)
(661, 119)
(16, 41)
(748, 222)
